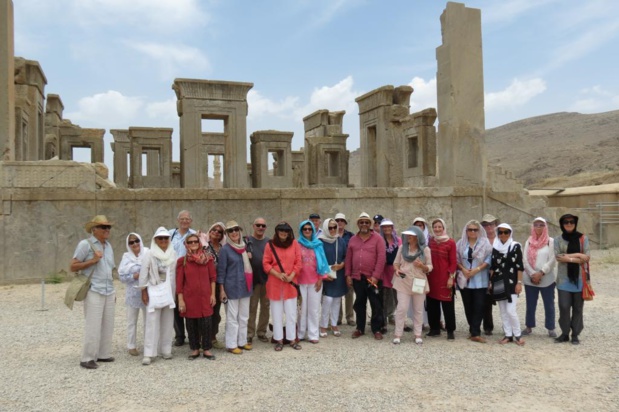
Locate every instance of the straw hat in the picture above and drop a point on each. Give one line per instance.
(97, 221)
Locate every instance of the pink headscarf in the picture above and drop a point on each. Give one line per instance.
(536, 243)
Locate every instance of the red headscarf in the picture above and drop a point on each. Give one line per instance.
(199, 256)
(535, 242)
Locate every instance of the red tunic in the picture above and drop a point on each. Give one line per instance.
(290, 257)
(194, 282)
(443, 262)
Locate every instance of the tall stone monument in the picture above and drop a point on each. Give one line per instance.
(53, 119)
(460, 92)
(215, 100)
(7, 82)
(30, 84)
(278, 144)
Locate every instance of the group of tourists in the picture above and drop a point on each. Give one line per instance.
(305, 283)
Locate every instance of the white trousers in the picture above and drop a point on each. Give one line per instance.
(310, 312)
(330, 311)
(132, 324)
(511, 323)
(98, 326)
(237, 313)
(158, 332)
(279, 308)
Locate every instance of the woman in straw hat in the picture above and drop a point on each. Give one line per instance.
(94, 256)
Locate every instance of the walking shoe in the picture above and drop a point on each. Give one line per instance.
(357, 333)
(133, 352)
(527, 331)
(179, 341)
(145, 360)
(110, 359)
(247, 346)
(167, 356)
(552, 333)
(235, 351)
(433, 333)
(218, 345)
(378, 336)
(396, 341)
(575, 340)
(562, 338)
(89, 365)
(450, 336)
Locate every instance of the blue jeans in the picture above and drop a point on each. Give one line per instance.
(548, 297)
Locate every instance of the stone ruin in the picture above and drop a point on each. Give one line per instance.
(407, 167)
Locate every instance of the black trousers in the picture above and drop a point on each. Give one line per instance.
(216, 318)
(434, 314)
(364, 292)
(179, 325)
(488, 304)
(474, 301)
(199, 333)
(571, 306)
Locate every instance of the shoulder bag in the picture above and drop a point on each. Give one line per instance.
(587, 289)
(79, 286)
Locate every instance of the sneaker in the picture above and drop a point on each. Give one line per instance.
(145, 360)
(527, 331)
(450, 336)
(575, 340)
(396, 341)
(167, 356)
(218, 345)
(235, 351)
(133, 352)
(562, 339)
(552, 333)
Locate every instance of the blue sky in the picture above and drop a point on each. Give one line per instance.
(113, 61)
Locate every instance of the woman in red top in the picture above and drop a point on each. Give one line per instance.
(195, 286)
(280, 287)
(441, 281)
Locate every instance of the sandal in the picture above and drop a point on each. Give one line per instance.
(519, 342)
(323, 332)
(506, 339)
(278, 347)
(336, 332)
(295, 346)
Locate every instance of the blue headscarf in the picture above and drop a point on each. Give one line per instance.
(322, 267)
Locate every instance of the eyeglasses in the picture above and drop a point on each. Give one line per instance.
(340, 220)
(234, 229)
(419, 224)
(262, 225)
(503, 232)
(307, 229)
(104, 227)
(569, 222)
(472, 229)
(133, 242)
(364, 222)
(539, 225)
(332, 227)
(192, 242)
(162, 238)
(221, 232)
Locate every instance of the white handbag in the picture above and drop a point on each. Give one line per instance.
(160, 295)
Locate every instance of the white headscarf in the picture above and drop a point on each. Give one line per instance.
(504, 248)
(325, 235)
(169, 256)
(482, 247)
(426, 233)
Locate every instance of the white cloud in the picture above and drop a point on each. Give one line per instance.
(173, 58)
(107, 110)
(516, 94)
(424, 94)
(164, 110)
(594, 100)
(340, 96)
(260, 106)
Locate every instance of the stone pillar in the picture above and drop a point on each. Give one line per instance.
(220, 100)
(278, 143)
(74, 136)
(7, 82)
(419, 149)
(381, 113)
(30, 84)
(298, 169)
(121, 148)
(156, 143)
(460, 92)
(217, 183)
(53, 118)
(326, 157)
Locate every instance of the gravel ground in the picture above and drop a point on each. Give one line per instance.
(41, 350)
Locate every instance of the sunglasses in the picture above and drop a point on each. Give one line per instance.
(340, 220)
(104, 227)
(487, 224)
(470, 229)
(221, 232)
(133, 242)
(260, 225)
(539, 225)
(162, 238)
(569, 222)
(364, 222)
(234, 229)
(332, 227)
(307, 229)
(192, 242)
(503, 232)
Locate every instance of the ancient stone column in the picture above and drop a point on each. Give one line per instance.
(218, 100)
(30, 84)
(121, 148)
(460, 92)
(53, 119)
(7, 82)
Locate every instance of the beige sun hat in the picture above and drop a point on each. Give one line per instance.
(231, 224)
(97, 221)
(364, 216)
